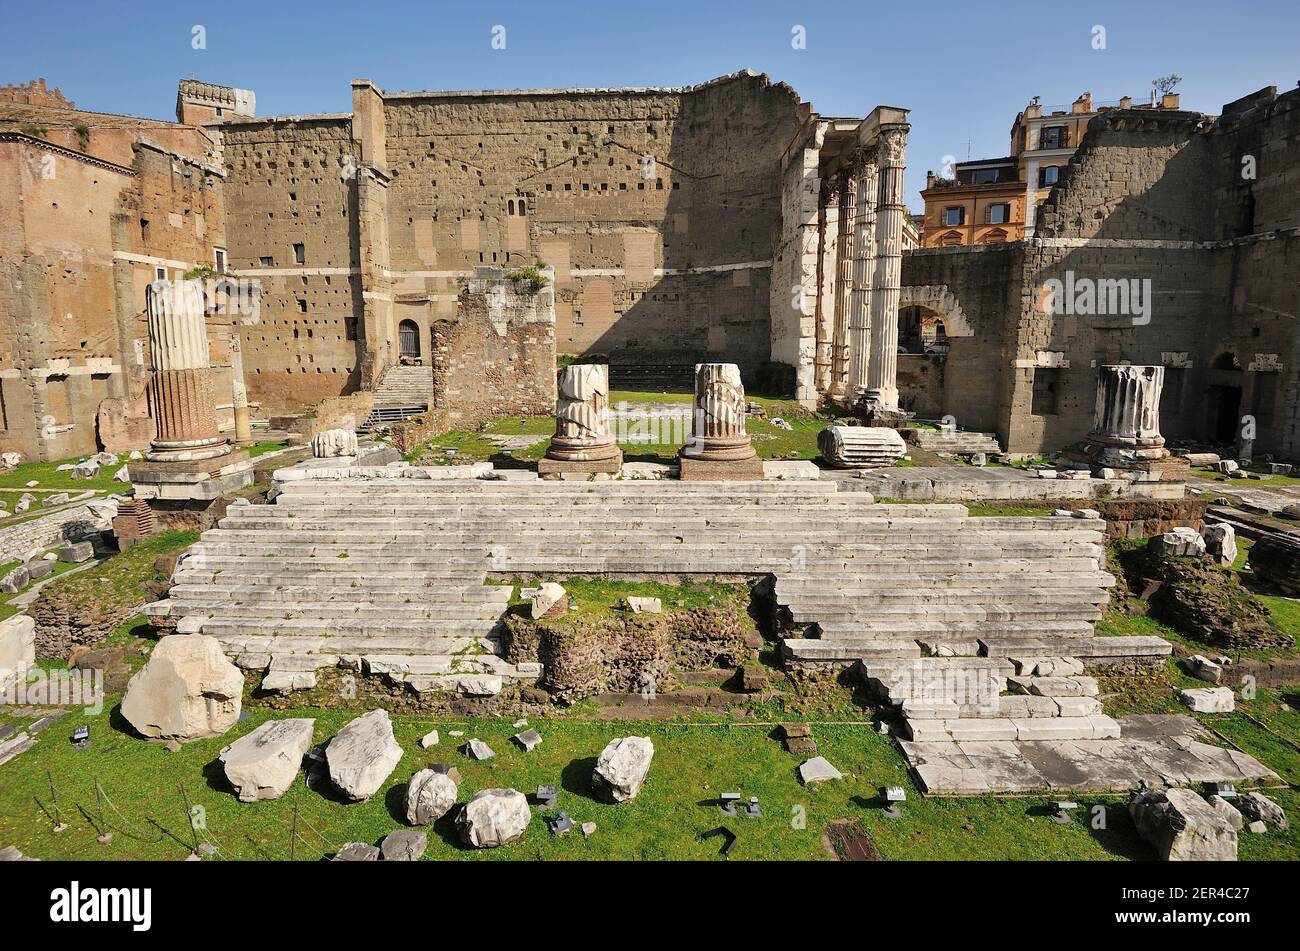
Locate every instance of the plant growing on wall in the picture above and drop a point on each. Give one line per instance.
(528, 279)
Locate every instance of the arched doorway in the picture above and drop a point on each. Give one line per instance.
(408, 336)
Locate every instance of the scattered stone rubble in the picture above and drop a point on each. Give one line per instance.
(622, 767)
(1184, 827)
(264, 763)
(494, 817)
(363, 755)
(186, 690)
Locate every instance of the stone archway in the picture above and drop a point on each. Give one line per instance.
(940, 299)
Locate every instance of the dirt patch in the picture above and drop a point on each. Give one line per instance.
(848, 841)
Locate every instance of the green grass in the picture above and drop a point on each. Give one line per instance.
(44, 473)
(770, 441)
(262, 448)
(693, 764)
(597, 597)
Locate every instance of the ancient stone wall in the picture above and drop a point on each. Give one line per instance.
(291, 200)
(657, 209)
(496, 357)
(1162, 253)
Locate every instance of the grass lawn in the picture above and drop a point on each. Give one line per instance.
(44, 473)
(770, 441)
(693, 764)
(591, 597)
(262, 448)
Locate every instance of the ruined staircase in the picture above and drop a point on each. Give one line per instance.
(953, 442)
(404, 391)
(393, 575)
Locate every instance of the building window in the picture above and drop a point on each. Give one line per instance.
(999, 214)
(267, 262)
(299, 254)
(144, 229)
(1054, 137)
(1047, 390)
(983, 176)
(1048, 175)
(952, 217)
(219, 256)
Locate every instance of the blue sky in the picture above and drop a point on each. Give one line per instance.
(963, 69)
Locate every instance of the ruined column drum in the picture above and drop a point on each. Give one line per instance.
(1126, 423)
(719, 447)
(861, 447)
(181, 389)
(582, 441)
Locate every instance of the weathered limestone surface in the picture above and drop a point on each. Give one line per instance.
(333, 443)
(404, 845)
(186, 690)
(363, 755)
(263, 764)
(1258, 807)
(861, 447)
(1209, 699)
(1221, 543)
(17, 646)
(622, 767)
(1184, 827)
(494, 817)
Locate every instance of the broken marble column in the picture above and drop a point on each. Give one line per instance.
(239, 392)
(181, 389)
(582, 442)
(1126, 425)
(881, 392)
(719, 447)
(334, 444)
(861, 447)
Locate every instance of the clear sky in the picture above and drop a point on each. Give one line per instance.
(964, 69)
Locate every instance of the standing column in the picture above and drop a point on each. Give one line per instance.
(848, 187)
(882, 371)
(1125, 433)
(181, 388)
(239, 392)
(719, 447)
(582, 442)
(825, 301)
(863, 277)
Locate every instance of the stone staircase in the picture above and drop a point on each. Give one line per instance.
(405, 386)
(393, 575)
(965, 699)
(953, 442)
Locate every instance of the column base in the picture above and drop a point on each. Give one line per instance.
(706, 470)
(193, 479)
(558, 467)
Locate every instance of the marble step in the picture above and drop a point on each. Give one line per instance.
(1000, 729)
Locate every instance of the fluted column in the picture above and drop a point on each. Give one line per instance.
(825, 310)
(718, 429)
(1128, 407)
(181, 388)
(882, 371)
(582, 415)
(239, 392)
(864, 277)
(848, 188)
